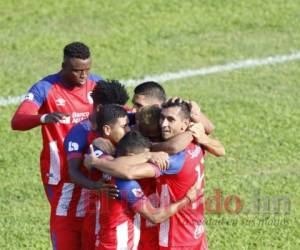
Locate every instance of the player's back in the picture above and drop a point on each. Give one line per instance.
(118, 222)
(186, 227)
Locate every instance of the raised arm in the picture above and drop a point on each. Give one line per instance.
(211, 145)
(198, 116)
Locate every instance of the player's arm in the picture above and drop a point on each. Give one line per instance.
(213, 146)
(121, 168)
(27, 115)
(175, 144)
(158, 215)
(75, 143)
(128, 167)
(198, 116)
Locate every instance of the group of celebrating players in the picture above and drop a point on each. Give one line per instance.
(118, 177)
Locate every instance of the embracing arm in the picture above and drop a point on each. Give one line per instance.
(78, 177)
(175, 144)
(158, 215)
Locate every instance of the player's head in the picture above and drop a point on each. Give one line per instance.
(109, 92)
(112, 122)
(147, 120)
(174, 118)
(132, 143)
(76, 64)
(148, 93)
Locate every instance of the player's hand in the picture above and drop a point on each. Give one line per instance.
(193, 192)
(198, 132)
(105, 145)
(55, 117)
(90, 159)
(108, 188)
(195, 110)
(175, 99)
(161, 159)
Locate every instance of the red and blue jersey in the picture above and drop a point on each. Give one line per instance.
(185, 228)
(120, 225)
(75, 200)
(50, 95)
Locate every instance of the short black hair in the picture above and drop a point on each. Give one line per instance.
(132, 142)
(77, 50)
(108, 92)
(108, 115)
(151, 89)
(184, 107)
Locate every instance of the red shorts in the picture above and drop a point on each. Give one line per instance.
(70, 232)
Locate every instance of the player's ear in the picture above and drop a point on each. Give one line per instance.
(185, 125)
(106, 130)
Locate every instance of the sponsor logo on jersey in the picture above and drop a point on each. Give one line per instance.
(73, 146)
(60, 102)
(78, 117)
(29, 96)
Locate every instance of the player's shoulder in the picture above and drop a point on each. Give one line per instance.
(48, 81)
(95, 78)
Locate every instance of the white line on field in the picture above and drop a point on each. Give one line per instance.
(4, 101)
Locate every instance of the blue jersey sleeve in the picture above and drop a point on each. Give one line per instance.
(130, 190)
(95, 78)
(76, 140)
(176, 162)
(38, 92)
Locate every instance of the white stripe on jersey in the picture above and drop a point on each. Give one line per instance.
(164, 227)
(97, 227)
(65, 199)
(136, 230)
(54, 171)
(83, 201)
(122, 236)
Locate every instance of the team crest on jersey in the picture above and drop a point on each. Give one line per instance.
(89, 97)
(73, 146)
(194, 153)
(137, 192)
(60, 102)
(29, 96)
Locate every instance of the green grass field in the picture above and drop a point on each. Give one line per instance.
(254, 110)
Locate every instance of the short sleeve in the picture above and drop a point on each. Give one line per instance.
(176, 162)
(38, 92)
(130, 190)
(76, 141)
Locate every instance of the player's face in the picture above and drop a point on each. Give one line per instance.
(76, 70)
(119, 129)
(172, 122)
(140, 101)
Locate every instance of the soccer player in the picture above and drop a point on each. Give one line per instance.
(119, 221)
(76, 144)
(152, 93)
(186, 229)
(56, 103)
